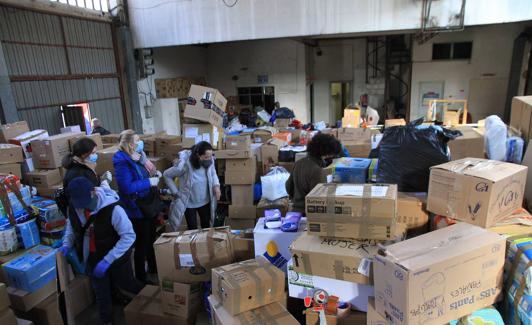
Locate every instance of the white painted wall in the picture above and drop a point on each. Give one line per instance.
(491, 57)
(180, 22)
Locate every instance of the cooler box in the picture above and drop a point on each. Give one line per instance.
(31, 270)
(351, 170)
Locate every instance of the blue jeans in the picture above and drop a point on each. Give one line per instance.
(120, 276)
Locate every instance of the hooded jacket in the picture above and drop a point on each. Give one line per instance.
(120, 221)
(184, 170)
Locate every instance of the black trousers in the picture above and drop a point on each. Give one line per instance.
(145, 232)
(204, 213)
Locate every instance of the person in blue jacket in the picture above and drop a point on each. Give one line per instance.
(103, 240)
(135, 175)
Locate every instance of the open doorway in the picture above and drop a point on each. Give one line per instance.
(77, 114)
(340, 98)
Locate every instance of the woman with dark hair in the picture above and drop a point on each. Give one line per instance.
(82, 163)
(308, 172)
(199, 187)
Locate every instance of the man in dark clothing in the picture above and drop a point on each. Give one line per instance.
(308, 172)
(98, 128)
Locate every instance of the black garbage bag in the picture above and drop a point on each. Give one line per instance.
(406, 154)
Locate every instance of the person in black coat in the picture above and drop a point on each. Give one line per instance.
(82, 163)
(98, 128)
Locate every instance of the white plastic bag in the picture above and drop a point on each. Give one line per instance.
(273, 184)
(495, 138)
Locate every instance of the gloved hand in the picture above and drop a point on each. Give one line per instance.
(64, 250)
(158, 174)
(154, 181)
(100, 269)
(107, 176)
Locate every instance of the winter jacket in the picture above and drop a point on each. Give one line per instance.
(133, 181)
(183, 169)
(75, 169)
(119, 220)
(306, 175)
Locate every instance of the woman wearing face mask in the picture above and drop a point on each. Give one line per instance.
(82, 163)
(135, 176)
(199, 187)
(308, 172)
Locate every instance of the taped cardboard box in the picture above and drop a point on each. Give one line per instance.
(205, 104)
(521, 116)
(240, 224)
(146, 309)
(352, 211)
(7, 317)
(195, 133)
(233, 154)
(373, 317)
(242, 212)
(240, 171)
(477, 191)
(170, 151)
(44, 177)
(111, 139)
(24, 140)
(12, 130)
(312, 318)
(105, 160)
(49, 153)
(163, 141)
(469, 145)
(241, 142)
(180, 299)
(14, 169)
(49, 191)
(435, 278)
(244, 248)
(161, 163)
(412, 210)
(24, 301)
(96, 137)
(248, 285)
(354, 135)
(242, 195)
(270, 314)
(10, 153)
(45, 313)
(357, 150)
(189, 256)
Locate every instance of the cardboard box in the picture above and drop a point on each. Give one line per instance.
(165, 140)
(477, 191)
(332, 258)
(14, 169)
(242, 195)
(195, 133)
(146, 309)
(281, 204)
(161, 163)
(240, 171)
(10, 153)
(206, 104)
(45, 313)
(233, 154)
(81, 293)
(354, 135)
(440, 276)
(357, 150)
(198, 251)
(521, 116)
(270, 152)
(32, 270)
(243, 212)
(48, 191)
(352, 211)
(263, 135)
(354, 317)
(150, 145)
(49, 153)
(12, 130)
(247, 285)
(282, 122)
(24, 301)
(105, 160)
(241, 142)
(4, 298)
(112, 138)
(71, 129)
(7, 317)
(394, 122)
(244, 248)
(97, 138)
(180, 299)
(273, 313)
(170, 151)
(469, 145)
(412, 209)
(44, 177)
(301, 285)
(24, 140)
(240, 224)
(374, 318)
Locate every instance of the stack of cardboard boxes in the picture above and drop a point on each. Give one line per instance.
(357, 141)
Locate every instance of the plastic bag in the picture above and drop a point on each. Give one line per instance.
(495, 138)
(514, 150)
(273, 184)
(406, 154)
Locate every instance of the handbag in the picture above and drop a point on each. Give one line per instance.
(151, 204)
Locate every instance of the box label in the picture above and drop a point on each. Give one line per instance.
(186, 260)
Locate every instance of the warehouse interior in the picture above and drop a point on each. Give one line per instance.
(265, 162)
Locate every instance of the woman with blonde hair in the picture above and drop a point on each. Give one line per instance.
(137, 180)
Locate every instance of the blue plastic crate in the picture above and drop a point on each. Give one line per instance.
(351, 170)
(31, 270)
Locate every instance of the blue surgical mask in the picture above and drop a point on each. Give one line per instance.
(140, 146)
(92, 158)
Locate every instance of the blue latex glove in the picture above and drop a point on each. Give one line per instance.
(64, 250)
(100, 269)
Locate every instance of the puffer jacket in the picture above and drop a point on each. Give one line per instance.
(184, 170)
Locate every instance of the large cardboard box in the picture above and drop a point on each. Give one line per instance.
(263, 135)
(240, 171)
(233, 154)
(24, 140)
(7, 317)
(477, 191)
(247, 285)
(146, 309)
(12, 130)
(48, 191)
(357, 150)
(111, 139)
(521, 116)
(242, 195)
(270, 314)
(195, 133)
(332, 258)
(243, 247)
(206, 104)
(161, 163)
(189, 256)
(96, 137)
(469, 145)
(105, 160)
(24, 301)
(242, 212)
(81, 293)
(441, 276)
(240, 224)
(49, 153)
(354, 135)
(412, 210)
(241, 142)
(44, 177)
(45, 313)
(150, 145)
(10, 153)
(301, 285)
(352, 211)
(273, 244)
(162, 142)
(180, 299)
(374, 318)
(170, 151)
(14, 169)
